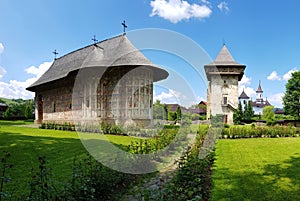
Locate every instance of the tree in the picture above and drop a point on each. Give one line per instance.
(165, 112)
(158, 110)
(28, 110)
(291, 98)
(238, 114)
(7, 114)
(268, 115)
(172, 116)
(248, 111)
(178, 113)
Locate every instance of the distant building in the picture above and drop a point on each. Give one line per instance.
(173, 108)
(259, 102)
(3, 108)
(223, 75)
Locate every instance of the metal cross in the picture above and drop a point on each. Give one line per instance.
(124, 26)
(55, 53)
(94, 39)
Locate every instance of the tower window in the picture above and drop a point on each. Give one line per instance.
(225, 100)
(244, 102)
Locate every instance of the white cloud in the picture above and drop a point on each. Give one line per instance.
(17, 89)
(2, 72)
(223, 6)
(245, 80)
(244, 85)
(288, 75)
(171, 96)
(276, 100)
(274, 76)
(38, 71)
(177, 10)
(1, 48)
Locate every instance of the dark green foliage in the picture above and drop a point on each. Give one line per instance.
(7, 114)
(192, 180)
(41, 185)
(4, 166)
(178, 113)
(248, 111)
(238, 114)
(291, 98)
(29, 110)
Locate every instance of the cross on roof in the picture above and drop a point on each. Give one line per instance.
(94, 39)
(55, 53)
(124, 26)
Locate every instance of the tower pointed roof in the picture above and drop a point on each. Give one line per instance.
(243, 95)
(224, 64)
(259, 89)
(225, 57)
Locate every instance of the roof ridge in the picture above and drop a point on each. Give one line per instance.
(94, 44)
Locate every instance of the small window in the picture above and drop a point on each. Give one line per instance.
(225, 100)
(224, 81)
(244, 102)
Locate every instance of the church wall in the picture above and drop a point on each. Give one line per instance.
(118, 98)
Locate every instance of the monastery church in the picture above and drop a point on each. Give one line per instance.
(109, 81)
(258, 104)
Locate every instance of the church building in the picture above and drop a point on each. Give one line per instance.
(259, 102)
(223, 75)
(109, 81)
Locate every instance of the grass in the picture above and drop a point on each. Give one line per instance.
(257, 169)
(26, 144)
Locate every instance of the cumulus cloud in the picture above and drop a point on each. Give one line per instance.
(276, 99)
(1, 48)
(288, 75)
(178, 10)
(223, 6)
(244, 85)
(2, 72)
(274, 76)
(17, 89)
(171, 96)
(38, 71)
(245, 80)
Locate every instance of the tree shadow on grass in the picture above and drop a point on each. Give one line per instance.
(275, 183)
(25, 150)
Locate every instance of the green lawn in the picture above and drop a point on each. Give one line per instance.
(25, 144)
(257, 169)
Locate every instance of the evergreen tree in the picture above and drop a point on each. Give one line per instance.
(166, 112)
(291, 98)
(178, 113)
(248, 111)
(238, 114)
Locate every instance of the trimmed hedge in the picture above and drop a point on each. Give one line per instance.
(253, 131)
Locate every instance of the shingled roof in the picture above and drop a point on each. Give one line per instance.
(243, 95)
(114, 52)
(224, 58)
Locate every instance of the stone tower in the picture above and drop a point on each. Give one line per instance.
(223, 75)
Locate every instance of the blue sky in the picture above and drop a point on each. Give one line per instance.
(264, 35)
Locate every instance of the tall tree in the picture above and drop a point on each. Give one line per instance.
(178, 113)
(268, 115)
(238, 114)
(248, 111)
(291, 98)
